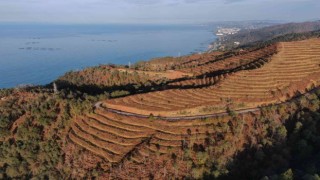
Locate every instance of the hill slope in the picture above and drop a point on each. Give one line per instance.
(214, 127)
(247, 37)
(293, 69)
(183, 146)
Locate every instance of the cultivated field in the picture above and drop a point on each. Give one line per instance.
(293, 69)
(117, 138)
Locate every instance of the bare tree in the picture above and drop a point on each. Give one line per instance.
(55, 88)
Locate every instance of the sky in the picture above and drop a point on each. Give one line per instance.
(156, 11)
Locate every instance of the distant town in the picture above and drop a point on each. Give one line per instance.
(221, 33)
(227, 31)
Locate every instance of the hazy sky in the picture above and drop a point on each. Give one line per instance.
(156, 11)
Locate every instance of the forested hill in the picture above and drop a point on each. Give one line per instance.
(82, 129)
(247, 36)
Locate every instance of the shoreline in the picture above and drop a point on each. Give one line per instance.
(97, 53)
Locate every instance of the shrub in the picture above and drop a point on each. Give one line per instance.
(231, 112)
(197, 173)
(115, 94)
(288, 175)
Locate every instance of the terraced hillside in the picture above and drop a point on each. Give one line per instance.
(293, 69)
(232, 61)
(121, 139)
(213, 71)
(127, 136)
(249, 113)
(117, 137)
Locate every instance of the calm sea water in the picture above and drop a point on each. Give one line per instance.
(38, 54)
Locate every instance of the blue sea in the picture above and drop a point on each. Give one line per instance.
(40, 53)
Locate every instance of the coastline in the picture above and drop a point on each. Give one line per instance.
(75, 51)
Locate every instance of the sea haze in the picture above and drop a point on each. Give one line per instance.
(38, 54)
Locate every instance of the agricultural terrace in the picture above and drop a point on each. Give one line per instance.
(293, 69)
(232, 61)
(117, 138)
